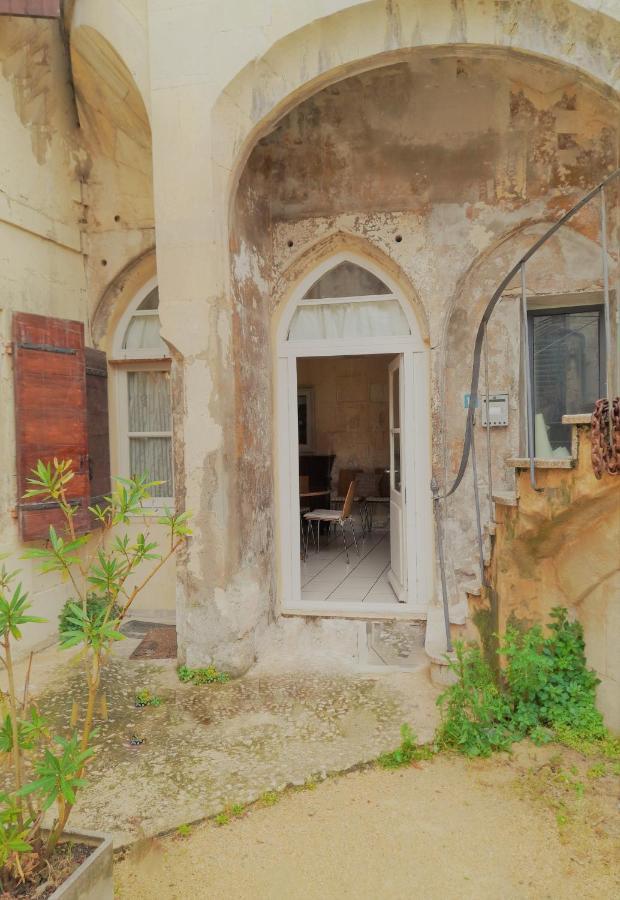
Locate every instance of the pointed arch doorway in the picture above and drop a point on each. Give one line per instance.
(348, 311)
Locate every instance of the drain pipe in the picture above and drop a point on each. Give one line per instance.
(442, 564)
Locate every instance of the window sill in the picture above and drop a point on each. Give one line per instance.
(523, 462)
(577, 419)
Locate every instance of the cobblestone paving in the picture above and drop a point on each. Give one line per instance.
(210, 746)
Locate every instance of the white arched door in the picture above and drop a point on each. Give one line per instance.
(348, 308)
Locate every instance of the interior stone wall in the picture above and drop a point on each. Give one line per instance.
(351, 415)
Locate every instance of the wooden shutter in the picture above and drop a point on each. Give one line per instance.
(44, 9)
(98, 438)
(50, 414)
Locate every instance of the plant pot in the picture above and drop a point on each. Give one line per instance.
(92, 880)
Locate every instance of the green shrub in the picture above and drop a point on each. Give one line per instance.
(544, 691)
(48, 769)
(95, 606)
(475, 713)
(408, 752)
(210, 675)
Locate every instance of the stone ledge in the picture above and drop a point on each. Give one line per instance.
(505, 498)
(522, 462)
(577, 419)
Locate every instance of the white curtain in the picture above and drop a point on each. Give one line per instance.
(378, 318)
(149, 411)
(152, 457)
(143, 334)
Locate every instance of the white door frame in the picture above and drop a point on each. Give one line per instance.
(416, 454)
(398, 497)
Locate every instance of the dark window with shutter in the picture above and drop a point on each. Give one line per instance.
(58, 404)
(568, 366)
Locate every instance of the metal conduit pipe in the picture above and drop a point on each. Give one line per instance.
(468, 443)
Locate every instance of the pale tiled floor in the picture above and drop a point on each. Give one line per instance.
(326, 576)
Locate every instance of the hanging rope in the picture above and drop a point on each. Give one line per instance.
(606, 444)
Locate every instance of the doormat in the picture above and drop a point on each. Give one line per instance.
(160, 642)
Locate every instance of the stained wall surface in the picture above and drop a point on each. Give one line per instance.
(442, 169)
(75, 210)
(561, 548)
(253, 140)
(41, 261)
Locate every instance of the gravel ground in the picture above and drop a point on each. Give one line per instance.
(509, 827)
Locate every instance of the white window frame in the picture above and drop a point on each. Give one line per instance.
(137, 360)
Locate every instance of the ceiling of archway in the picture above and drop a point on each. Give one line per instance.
(441, 127)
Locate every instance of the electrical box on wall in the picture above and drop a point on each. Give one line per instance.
(497, 410)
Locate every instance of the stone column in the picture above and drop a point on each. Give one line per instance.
(218, 604)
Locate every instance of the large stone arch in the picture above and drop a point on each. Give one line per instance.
(122, 25)
(117, 295)
(109, 61)
(359, 36)
(224, 594)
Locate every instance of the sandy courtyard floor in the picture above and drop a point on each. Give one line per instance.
(543, 823)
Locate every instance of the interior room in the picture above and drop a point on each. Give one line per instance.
(344, 449)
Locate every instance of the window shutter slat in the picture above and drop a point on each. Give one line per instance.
(50, 414)
(45, 9)
(97, 425)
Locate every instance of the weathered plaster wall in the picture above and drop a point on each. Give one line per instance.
(41, 263)
(451, 165)
(351, 415)
(220, 81)
(62, 188)
(115, 135)
(562, 548)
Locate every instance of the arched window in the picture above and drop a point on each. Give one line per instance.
(143, 395)
(348, 301)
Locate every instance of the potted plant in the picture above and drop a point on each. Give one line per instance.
(48, 769)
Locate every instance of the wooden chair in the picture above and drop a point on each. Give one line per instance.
(339, 517)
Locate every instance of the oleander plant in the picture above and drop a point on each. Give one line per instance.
(106, 569)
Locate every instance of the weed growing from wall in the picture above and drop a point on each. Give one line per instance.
(543, 690)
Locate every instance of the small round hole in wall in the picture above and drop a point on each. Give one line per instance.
(398, 238)
(104, 262)
(289, 243)
(117, 218)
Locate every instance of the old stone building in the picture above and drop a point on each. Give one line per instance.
(283, 223)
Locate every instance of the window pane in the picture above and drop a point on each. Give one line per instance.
(567, 361)
(396, 398)
(345, 320)
(143, 334)
(151, 301)
(346, 280)
(152, 457)
(149, 401)
(396, 460)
